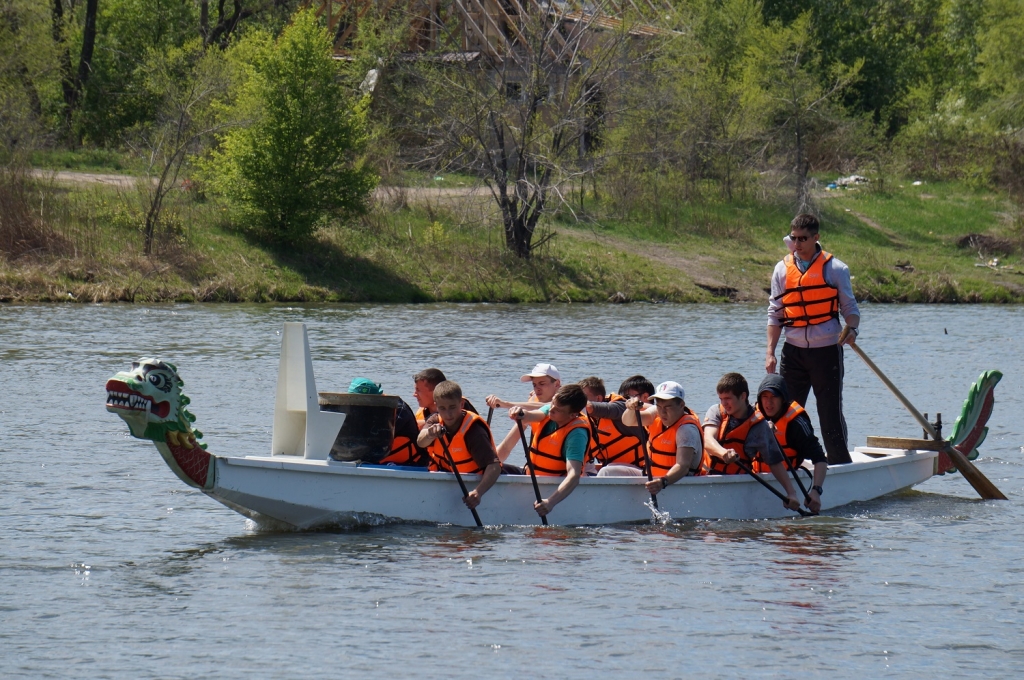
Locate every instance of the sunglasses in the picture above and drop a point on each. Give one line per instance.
(800, 239)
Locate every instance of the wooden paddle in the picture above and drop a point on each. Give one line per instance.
(647, 454)
(529, 464)
(462, 484)
(980, 482)
(757, 478)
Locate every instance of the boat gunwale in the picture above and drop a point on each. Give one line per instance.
(333, 467)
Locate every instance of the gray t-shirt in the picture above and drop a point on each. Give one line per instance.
(760, 438)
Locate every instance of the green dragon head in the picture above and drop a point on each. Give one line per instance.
(149, 399)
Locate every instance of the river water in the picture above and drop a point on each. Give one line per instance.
(112, 568)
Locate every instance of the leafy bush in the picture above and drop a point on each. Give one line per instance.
(294, 160)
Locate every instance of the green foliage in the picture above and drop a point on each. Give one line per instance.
(294, 160)
(132, 33)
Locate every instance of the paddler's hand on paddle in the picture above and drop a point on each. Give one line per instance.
(792, 503)
(472, 499)
(542, 507)
(435, 430)
(493, 401)
(730, 456)
(813, 501)
(516, 413)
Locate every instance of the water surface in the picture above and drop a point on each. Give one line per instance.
(111, 567)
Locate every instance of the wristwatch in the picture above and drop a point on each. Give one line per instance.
(818, 489)
(664, 482)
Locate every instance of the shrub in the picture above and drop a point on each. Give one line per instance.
(295, 160)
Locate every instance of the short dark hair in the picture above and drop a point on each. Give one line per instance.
(447, 389)
(638, 383)
(733, 383)
(594, 384)
(431, 376)
(571, 396)
(807, 222)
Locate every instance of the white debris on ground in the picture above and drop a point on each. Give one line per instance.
(852, 180)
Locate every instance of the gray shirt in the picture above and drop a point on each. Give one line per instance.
(836, 274)
(760, 438)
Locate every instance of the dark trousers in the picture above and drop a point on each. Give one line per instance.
(820, 369)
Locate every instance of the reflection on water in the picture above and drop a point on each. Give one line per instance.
(112, 568)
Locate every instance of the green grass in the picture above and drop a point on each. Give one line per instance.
(689, 252)
(86, 160)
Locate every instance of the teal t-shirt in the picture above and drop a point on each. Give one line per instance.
(575, 446)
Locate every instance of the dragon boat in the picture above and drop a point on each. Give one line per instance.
(299, 484)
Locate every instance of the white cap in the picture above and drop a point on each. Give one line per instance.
(541, 370)
(669, 390)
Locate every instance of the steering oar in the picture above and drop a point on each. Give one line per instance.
(980, 482)
(462, 484)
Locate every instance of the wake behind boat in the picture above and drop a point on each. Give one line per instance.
(300, 485)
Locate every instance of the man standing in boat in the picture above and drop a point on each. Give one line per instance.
(810, 290)
(546, 381)
(794, 434)
(468, 440)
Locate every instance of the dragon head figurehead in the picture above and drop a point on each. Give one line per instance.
(149, 399)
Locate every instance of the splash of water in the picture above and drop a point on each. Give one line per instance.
(657, 516)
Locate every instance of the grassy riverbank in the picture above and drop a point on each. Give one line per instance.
(438, 241)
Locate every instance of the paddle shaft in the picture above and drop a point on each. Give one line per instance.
(490, 412)
(782, 497)
(529, 464)
(972, 474)
(462, 484)
(647, 454)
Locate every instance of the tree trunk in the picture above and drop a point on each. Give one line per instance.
(73, 84)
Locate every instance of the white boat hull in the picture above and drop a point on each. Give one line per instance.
(305, 493)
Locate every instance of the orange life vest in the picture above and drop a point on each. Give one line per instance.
(808, 299)
(734, 440)
(421, 416)
(608, 443)
(546, 453)
(661, 446)
(463, 459)
(404, 452)
(793, 457)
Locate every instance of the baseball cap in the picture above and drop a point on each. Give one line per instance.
(364, 386)
(541, 370)
(669, 390)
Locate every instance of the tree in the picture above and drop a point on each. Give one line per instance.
(189, 81)
(296, 160)
(527, 112)
(73, 81)
(782, 86)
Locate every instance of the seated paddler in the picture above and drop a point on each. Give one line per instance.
(738, 439)
(560, 447)
(794, 434)
(404, 450)
(614, 445)
(674, 441)
(546, 381)
(424, 383)
(467, 439)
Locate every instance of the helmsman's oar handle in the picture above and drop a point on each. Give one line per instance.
(972, 474)
(529, 464)
(462, 484)
(782, 497)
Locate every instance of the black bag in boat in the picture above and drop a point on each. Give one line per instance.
(368, 430)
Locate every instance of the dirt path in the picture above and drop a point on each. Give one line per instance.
(705, 271)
